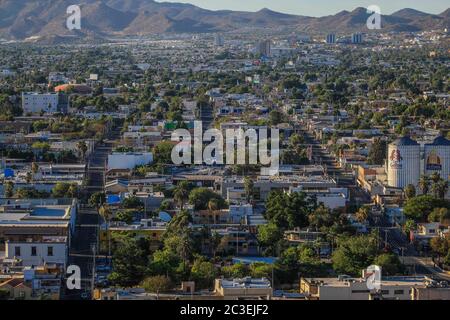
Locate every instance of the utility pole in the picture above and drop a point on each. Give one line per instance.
(94, 250)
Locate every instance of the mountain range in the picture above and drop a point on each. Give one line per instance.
(40, 19)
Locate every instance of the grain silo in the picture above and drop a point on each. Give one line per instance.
(403, 165)
(437, 158)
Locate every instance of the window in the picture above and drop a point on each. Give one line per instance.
(360, 291)
(33, 251)
(384, 291)
(50, 251)
(17, 251)
(399, 291)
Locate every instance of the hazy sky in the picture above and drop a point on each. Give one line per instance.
(319, 7)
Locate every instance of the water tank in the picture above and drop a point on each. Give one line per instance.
(437, 158)
(403, 163)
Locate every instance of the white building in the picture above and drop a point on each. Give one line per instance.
(49, 250)
(403, 165)
(33, 102)
(128, 160)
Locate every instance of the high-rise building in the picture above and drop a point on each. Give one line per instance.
(331, 38)
(437, 158)
(403, 165)
(263, 48)
(218, 40)
(357, 38)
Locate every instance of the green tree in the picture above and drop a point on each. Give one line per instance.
(410, 191)
(156, 284)
(424, 184)
(200, 197)
(129, 264)
(269, 234)
(9, 189)
(82, 148)
(377, 153)
(181, 193)
(97, 199)
(249, 188)
(390, 264)
(354, 254)
(419, 208)
(440, 246)
(362, 214)
(203, 272)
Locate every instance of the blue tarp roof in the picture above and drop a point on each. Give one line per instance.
(112, 199)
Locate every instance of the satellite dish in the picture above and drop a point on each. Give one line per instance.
(164, 216)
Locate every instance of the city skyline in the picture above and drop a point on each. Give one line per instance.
(319, 8)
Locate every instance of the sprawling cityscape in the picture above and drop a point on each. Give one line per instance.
(290, 158)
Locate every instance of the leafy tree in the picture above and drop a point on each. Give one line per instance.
(440, 246)
(82, 148)
(390, 264)
(275, 117)
(64, 190)
(362, 214)
(410, 191)
(288, 211)
(203, 272)
(261, 270)
(237, 270)
(164, 262)
(9, 189)
(424, 184)
(125, 216)
(129, 264)
(156, 284)
(248, 187)
(377, 153)
(420, 207)
(354, 254)
(97, 199)
(163, 153)
(200, 197)
(269, 234)
(439, 215)
(132, 202)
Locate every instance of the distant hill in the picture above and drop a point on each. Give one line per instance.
(46, 19)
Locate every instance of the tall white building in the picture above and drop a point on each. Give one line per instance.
(33, 102)
(437, 158)
(403, 165)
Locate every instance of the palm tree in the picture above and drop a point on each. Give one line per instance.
(181, 193)
(106, 213)
(248, 186)
(362, 214)
(213, 206)
(34, 168)
(424, 184)
(439, 188)
(82, 147)
(435, 177)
